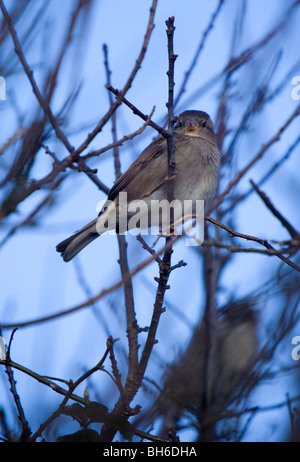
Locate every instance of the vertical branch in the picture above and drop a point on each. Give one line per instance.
(132, 327)
(165, 263)
(170, 105)
(210, 336)
(25, 435)
(113, 117)
(135, 375)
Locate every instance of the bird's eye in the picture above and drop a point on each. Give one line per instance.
(179, 123)
(204, 124)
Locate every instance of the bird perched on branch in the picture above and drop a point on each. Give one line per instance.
(189, 382)
(197, 159)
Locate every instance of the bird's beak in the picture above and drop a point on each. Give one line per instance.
(191, 124)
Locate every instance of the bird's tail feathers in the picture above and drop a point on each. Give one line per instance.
(74, 244)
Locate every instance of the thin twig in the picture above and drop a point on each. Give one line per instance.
(114, 367)
(291, 230)
(137, 66)
(13, 387)
(72, 388)
(239, 249)
(41, 378)
(260, 241)
(151, 251)
(200, 47)
(135, 110)
(267, 175)
(43, 104)
(132, 326)
(120, 141)
(219, 199)
(244, 57)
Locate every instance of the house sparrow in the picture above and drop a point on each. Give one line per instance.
(235, 352)
(197, 159)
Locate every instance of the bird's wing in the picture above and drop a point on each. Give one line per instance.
(146, 173)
